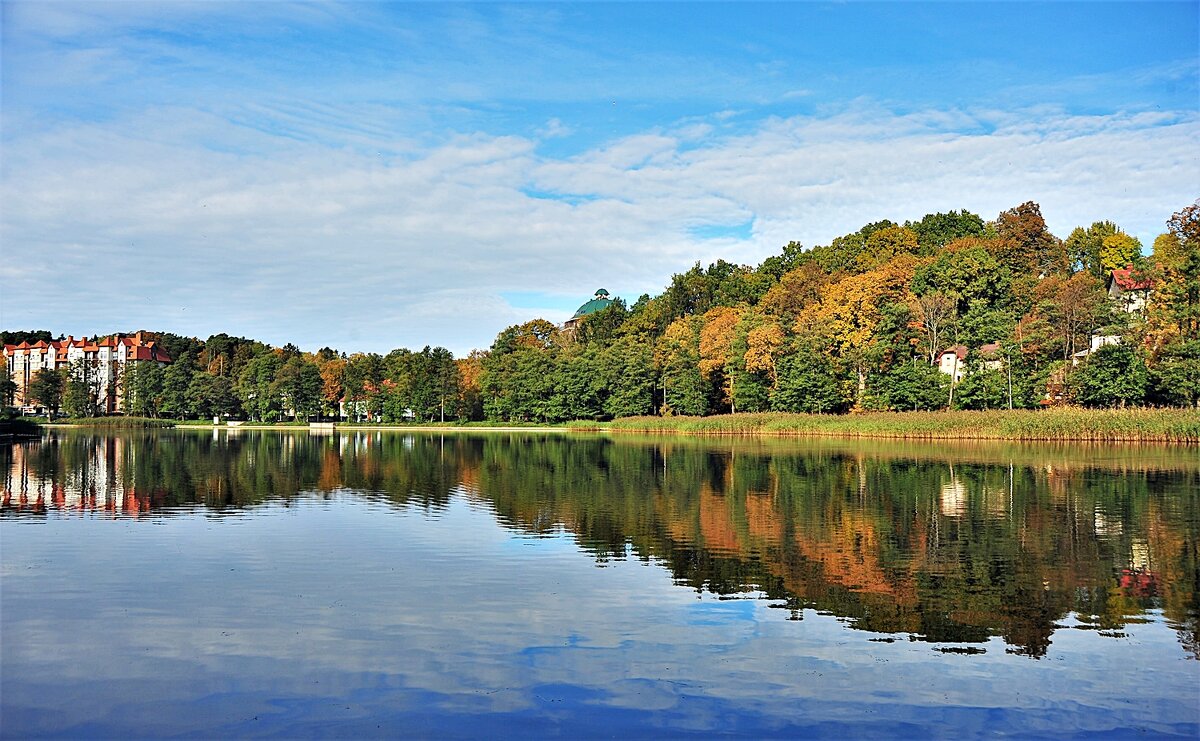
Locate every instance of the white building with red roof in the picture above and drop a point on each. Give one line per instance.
(102, 361)
(1130, 288)
(953, 362)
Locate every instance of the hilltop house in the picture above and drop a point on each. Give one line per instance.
(1130, 289)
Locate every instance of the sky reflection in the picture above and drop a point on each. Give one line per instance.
(342, 613)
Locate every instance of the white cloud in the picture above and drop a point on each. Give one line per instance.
(555, 129)
(169, 219)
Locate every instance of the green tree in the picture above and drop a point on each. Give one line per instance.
(907, 386)
(579, 391)
(46, 389)
(935, 231)
(362, 381)
(982, 388)
(843, 252)
(792, 256)
(627, 368)
(81, 391)
(210, 395)
(143, 388)
(809, 381)
(257, 390)
(298, 386)
(1111, 376)
(967, 272)
(1085, 245)
(8, 391)
(177, 377)
(602, 326)
(1175, 375)
(31, 336)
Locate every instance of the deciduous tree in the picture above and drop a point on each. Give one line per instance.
(46, 389)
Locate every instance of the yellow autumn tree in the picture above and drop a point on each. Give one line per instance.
(849, 312)
(716, 343)
(795, 290)
(762, 348)
(677, 357)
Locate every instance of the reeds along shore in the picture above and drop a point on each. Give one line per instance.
(1055, 424)
(1058, 424)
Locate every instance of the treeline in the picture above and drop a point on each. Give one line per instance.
(240, 378)
(859, 323)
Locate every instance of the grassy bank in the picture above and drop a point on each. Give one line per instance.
(116, 423)
(1063, 423)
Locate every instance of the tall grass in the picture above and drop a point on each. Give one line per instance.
(1060, 423)
(118, 423)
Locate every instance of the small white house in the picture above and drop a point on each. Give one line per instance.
(1098, 341)
(953, 362)
(1129, 290)
(989, 356)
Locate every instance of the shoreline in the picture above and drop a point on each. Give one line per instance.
(1062, 424)
(1065, 424)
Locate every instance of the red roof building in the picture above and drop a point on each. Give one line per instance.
(104, 361)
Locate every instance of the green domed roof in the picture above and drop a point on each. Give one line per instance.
(596, 304)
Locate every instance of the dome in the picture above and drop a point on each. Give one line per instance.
(600, 301)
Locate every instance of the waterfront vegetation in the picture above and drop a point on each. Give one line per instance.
(857, 325)
(1060, 423)
(1052, 424)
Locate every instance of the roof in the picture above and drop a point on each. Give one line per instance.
(1124, 279)
(138, 348)
(959, 350)
(990, 348)
(601, 301)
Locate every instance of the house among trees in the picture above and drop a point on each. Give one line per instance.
(1098, 341)
(599, 302)
(1130, 289)
(989, 356)
(953, 362)
(99, 364)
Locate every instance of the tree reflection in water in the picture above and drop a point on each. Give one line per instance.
(939, 543)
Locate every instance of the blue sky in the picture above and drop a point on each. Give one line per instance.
(371, 175)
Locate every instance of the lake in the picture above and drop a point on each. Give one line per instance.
(357, 584)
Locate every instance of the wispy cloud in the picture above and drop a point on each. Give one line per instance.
(388, 174)
(308, 239)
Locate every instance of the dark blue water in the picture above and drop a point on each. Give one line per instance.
(360, 585)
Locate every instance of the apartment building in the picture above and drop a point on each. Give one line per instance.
(100, 361)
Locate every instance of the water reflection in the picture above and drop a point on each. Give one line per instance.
(952, 545)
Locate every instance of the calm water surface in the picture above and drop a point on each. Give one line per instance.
(356, 584)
